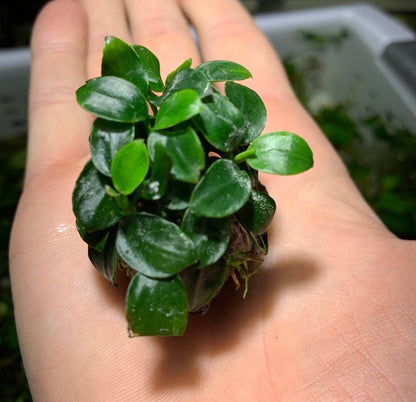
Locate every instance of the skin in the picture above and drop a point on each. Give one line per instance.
(331, 315)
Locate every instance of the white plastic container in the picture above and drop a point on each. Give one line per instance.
(14, 80)
(370, 70)
(361, 70)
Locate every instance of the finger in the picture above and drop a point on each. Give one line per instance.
(57, 125)
(226, 31)
(105, 18)
(160, 26)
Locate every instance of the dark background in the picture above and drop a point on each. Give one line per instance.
(16, 18)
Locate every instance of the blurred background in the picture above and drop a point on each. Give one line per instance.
(351, 64)
(16, 16)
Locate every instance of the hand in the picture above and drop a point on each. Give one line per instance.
(330, 316)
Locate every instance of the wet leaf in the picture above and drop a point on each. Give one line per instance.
(185, 78)
(93, 208)
(209, 235)
(106, 139)
(177, 195)
(106, 260)
(221, 123)
(120, 60)
(203, 284)
(153, 246)
(151, 67)
(96, 239)
(186, 152)
(222, 190)
(258, 212)
(186, 65)
(281, 153)
(156, 307)
(223, 70)
(130, 166)
(179, 107)
(154, 186)
(114, 99)
(251, 106)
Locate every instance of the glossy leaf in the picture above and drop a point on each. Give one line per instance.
(185, 151)
(222, 191)
(154, 186)
(93, 208)
(210, 236)
(224, 70)
(177, 195)
(106, 260)
(203, 284)
(151, 67)
(179, 107)
(171, 172)
(281, 153)
(153, 246)
(95, 239)
(156, 307)
(258, 212)
(106, 139)
(130, 166)
(120, 60)
(251, 106)
(114, 99)
(186, 65)
(126, 205)
(186, 78)
(221, 123)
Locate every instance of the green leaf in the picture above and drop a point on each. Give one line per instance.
(203, 284)
(93, 208)
(186, 78)
(154, 186)
(210, 236)
(179, 107)
(258, 212)
(222, 190)
(185, 65)
(106, 260)
(177, 195)
(114, 99)
(186, 152)
(151, 67)
(154, 246)
(156, 307)
(120, 60)
(221, 123)
(281, 153)
(106, 139)
(96, 239)
(223, 70)
(251, 106)
(130, 166)
(126, 205)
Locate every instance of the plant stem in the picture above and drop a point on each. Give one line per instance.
(154, 109)
(242, 156)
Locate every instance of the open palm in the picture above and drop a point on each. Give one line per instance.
(330, 316)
